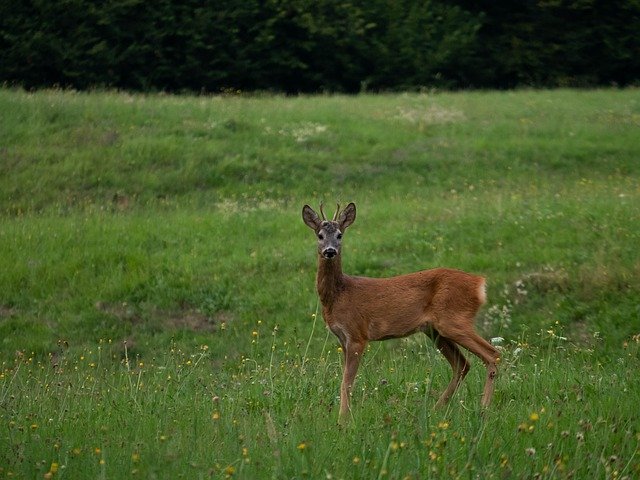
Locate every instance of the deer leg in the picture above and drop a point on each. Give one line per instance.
(459, 365)
(489, 355)
(352, 355)
(477, 345)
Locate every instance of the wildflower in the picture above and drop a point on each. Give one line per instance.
(443, 425)
(135, 457)
(530, 451)
(230, 470)
(302, 446)
(215, 416)
(534, 417)
(54, 467)
(356, 460)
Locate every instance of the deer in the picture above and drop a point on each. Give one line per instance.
(441, 303)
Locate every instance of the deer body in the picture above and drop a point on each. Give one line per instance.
(442, 303)
(373, 309)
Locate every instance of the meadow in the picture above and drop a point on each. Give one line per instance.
(158, 314)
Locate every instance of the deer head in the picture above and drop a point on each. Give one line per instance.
(329, 232)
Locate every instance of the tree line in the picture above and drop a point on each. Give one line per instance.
(318, 45)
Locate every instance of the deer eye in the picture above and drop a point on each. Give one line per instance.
(320, 236)
(339, 236)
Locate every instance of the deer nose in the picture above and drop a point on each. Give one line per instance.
(329, 252)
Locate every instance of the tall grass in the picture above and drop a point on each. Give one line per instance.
(157, 308)
(558, 414)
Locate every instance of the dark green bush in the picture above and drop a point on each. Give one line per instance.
(320, 45)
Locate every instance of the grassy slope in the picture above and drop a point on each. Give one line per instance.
(173, 222)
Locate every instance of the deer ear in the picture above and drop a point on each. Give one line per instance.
(347, 216)
(310, 218)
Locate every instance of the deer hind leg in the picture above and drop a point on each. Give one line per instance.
(477, 345)
(459, 365)
(352, 356)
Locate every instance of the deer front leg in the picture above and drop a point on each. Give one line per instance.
(352, 355)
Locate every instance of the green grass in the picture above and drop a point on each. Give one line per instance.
(157, 303)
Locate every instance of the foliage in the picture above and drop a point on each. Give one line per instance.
(329, 45)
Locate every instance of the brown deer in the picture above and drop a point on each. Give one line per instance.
(441, 303)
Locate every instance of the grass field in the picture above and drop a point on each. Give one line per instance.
(158, 316)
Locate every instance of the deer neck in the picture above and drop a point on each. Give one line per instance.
(330, 279)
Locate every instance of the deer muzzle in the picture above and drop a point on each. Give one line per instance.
(329, 252)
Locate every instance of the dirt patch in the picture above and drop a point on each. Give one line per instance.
(546, 280)
(180, 319)
(579, 333)
(122, 311)
(7, 312)
(191, 320)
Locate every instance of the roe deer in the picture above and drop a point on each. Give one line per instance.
(441, 303)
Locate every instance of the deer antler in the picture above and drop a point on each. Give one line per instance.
(322, 212)
(335, 215)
